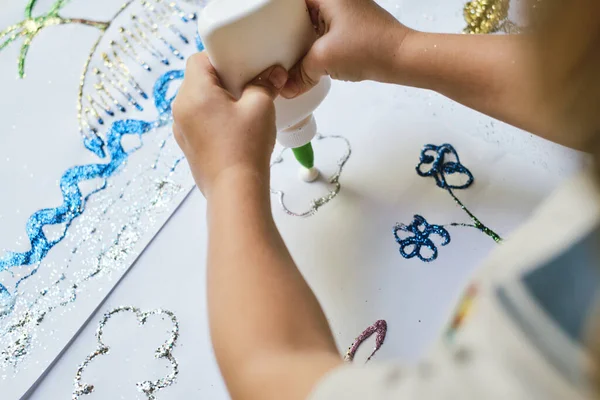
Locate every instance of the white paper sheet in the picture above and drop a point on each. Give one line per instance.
(72, 221)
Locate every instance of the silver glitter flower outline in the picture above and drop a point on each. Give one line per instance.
(334, 180)
(149, 388)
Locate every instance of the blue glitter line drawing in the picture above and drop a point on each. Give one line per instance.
(411, 246)
(199, 44)
(439, 158)
(441, 168)
(73, 200)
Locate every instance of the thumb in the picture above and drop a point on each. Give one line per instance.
(305, 74)
(268, 83)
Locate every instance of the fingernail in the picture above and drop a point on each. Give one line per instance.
(291, 89)
(278, 77)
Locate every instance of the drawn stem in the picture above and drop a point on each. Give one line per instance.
(476, 222)
(9, 30)
(23, 54)
(461, 224)
(102, 25)
(11, 39)
(29, 8)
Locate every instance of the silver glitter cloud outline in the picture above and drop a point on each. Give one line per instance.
(149, 388)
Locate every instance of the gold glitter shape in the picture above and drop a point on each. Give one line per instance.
(485, 16)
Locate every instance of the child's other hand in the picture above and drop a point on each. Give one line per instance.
(218, 133)
(358, 40)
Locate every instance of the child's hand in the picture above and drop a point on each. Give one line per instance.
(358, 40)
(218, 133)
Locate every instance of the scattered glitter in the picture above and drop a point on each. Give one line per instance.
(17, 350)
(149, 388)
(333, 180)
(380, 328)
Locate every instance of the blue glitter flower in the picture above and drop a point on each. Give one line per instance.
(441, 168)
(421, 230)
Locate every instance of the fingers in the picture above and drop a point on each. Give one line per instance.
(313, 11)
(199, 69)
(267, 85)
(307, 73)
(200, 91)
(319, 16)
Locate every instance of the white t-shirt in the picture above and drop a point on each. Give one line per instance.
(526, 337)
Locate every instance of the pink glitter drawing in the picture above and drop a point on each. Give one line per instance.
(379, 327)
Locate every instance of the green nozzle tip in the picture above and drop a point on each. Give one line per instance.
(305, 155)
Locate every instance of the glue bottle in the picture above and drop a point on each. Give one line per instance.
(245, 37)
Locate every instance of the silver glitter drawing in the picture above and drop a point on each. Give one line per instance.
(124, 209)
(108, 220)
(17, 338)
(333, 180)
(165, 351)
(153, 31)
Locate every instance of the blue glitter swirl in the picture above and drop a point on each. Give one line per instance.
(440, 168)
(95, 144)
(73, 201)
(199, 44)
(421, 231)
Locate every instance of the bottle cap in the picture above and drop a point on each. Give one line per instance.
(299, 134)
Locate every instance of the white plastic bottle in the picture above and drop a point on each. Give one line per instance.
(245, 37)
